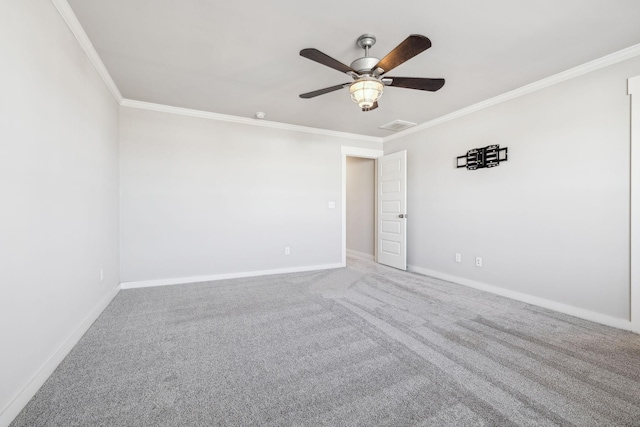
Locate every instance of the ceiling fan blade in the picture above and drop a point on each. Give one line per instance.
(410, 47)
(323, 91)
(373, 107)
(324, 59)
(415, 83)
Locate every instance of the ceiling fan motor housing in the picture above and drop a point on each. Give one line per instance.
(364, 65)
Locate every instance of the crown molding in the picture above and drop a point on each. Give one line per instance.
(74, 25)
(571, 73)
(243, 120)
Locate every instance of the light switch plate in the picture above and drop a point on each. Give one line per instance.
(332, 205)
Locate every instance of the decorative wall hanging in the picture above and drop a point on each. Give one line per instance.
(486, 157)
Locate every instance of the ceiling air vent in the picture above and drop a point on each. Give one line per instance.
(398, 125)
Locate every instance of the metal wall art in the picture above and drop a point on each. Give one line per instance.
(486, 157)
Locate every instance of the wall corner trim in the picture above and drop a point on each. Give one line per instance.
(223, 276)
(23, 397)
(529, 299)
(571, 73)
(633, 85)
(74, 25)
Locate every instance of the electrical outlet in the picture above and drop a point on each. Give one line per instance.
(458, 258)
(478, 261)
(287, 250)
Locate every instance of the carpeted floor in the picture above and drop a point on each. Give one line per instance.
(361, 346)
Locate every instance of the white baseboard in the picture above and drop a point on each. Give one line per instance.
(197, 279)
(529, 299)
(360, 254)
(29, 390)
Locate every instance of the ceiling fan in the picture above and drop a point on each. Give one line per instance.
(368, 73)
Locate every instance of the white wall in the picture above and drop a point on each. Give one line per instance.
(59, 192)
(360, 205)
(201, 197)
(553, 221)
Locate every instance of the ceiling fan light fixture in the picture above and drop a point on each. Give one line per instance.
(366, 91)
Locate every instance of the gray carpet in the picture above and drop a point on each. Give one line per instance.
(361, 346)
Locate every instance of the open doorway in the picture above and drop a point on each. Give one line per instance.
(364, 153)
(361, 206)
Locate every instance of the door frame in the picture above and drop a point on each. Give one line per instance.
(365, 153)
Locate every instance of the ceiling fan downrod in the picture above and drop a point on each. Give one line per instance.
(365, 65)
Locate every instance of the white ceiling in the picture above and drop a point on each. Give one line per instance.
(239, 57)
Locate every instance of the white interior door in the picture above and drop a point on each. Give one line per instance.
(392, 210)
